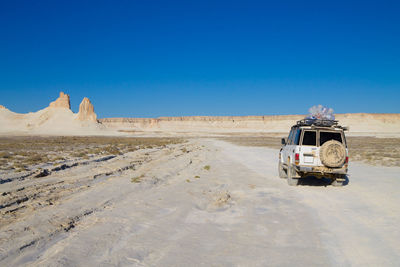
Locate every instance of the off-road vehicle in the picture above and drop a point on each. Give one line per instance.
(314, 148)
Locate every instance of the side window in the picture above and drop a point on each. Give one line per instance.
(310, 138)
(297, 137)
(290, 137)
(291, 140)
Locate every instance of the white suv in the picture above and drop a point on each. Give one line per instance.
(314, 148)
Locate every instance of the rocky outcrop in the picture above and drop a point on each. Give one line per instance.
(61, 102)
(86, 111)
(2, 107)
(56, 119)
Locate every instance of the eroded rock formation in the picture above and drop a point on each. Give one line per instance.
(86, 111)
(2, 107)
(61, 102)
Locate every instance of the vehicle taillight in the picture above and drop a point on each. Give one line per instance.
(347, 160)
(296, 158)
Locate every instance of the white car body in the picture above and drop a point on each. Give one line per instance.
(303, 155)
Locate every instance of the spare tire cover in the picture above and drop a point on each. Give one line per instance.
(332, 154)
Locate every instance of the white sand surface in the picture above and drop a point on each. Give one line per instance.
(237, 213)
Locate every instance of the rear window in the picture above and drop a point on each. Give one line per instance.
(326, 136)
(310, 138)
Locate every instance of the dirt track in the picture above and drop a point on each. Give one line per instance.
(176, 212)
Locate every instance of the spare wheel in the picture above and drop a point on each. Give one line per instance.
(332, 154)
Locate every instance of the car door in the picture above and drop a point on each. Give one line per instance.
(285, 149)
(309, 149)
(288, 147)
(292, 143)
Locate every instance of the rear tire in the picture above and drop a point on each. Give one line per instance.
(291, 173)
(337, 183)
(342, 181)
(281, 171)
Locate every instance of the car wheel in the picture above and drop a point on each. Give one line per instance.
(337, 183)
(281, 171)
(340, 180)
(290, 174)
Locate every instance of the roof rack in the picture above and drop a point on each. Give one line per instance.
(317, 122)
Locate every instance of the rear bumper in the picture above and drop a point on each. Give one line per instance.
(321, 169)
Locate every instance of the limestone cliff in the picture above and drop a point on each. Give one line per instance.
(61, 102)
(358, 122)
(86, 111)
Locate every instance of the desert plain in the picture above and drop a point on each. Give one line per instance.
(190, 191)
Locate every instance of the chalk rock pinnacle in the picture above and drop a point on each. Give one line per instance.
(86, 111)
(61, 102)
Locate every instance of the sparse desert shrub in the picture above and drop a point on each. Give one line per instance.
(23, 153)
(35, 159)
(268, 141)
(131, 148)
(79, 154)
(29, 150)
(18, 167)
(137, 179)
(207, 167)
(95, 150)
(58, 158)
(5, 155)
(113, 150)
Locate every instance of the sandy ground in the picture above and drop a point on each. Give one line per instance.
(164, 207)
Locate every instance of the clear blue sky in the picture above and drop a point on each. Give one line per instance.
(177, 58)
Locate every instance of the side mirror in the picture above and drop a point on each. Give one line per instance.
(283, 141)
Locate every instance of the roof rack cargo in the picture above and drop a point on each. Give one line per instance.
(317, 122)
